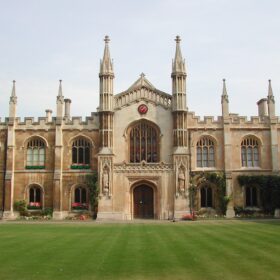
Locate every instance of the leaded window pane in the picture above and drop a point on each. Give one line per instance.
(250, 152)
(205, 152)
(35, 153)
(143, 143)
(80, 152)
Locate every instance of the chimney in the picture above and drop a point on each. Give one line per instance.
(67, 108)
(262, 107)
(49, 115)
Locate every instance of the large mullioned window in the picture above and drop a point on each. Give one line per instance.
(250, 152)
(144, 143)
(205, 152)
(35, 153)
(80, 152)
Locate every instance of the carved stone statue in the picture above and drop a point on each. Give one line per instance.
(105, 181)
(181, 181)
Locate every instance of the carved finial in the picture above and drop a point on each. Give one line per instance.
(270, 92)
(142, 75)
(60, 88)
(106, 39)
(178, 64)
(14, 89)
(177, 39)
(106, 64)
(224, 88)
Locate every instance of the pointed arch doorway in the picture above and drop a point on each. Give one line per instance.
(143, 202)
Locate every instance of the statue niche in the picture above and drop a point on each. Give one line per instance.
(105, 180)
(181, 180)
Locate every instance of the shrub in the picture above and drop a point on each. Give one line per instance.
(21, 207)
(47, 212)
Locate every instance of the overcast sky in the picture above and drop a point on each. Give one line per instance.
(43, 41)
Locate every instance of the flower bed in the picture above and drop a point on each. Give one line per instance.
(189, 217)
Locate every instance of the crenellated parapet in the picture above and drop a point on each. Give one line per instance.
(43, 123)
(234, 120)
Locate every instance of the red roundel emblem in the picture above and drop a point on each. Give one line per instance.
(143, 109)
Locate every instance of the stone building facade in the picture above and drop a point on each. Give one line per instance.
(143, 142)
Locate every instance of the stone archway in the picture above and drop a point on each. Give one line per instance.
(143, 202)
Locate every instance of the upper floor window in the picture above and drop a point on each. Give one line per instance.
(205, 153)
(250, 152)
(35, 153)
(144, 143)
(80, 152)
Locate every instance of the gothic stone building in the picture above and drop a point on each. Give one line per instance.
(143, 142)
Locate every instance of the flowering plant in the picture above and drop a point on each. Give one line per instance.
(79, 206)
(189, 217)
(34, 205)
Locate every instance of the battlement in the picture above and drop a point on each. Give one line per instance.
(44, 123)
(233, 119)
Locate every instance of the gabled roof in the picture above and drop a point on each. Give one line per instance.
(141, 82)
(135, 93)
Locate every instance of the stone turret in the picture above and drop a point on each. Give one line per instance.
(13, 102)
(179, 103)
(224, 101)
(270, 101)
(106, 78)
(180, 138)
(59, 103)
(178, 80)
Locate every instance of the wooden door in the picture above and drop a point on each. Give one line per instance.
(143, 197)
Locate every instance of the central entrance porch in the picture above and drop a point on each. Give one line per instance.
(143, 202)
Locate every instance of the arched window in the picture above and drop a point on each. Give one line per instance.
(144, 144)
(250, 152)
(35, 198)
(80, 152)
(251, 197)
(205, 152)
(80, 201)
(206, 197)
(35, 154)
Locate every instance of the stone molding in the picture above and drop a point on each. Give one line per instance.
(142, 167)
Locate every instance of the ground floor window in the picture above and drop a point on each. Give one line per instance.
(35, 198)
(206, 199)
(251, 197)
(80, 201)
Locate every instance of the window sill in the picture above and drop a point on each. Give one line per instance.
(80, 166)
(35, 167)
(251, 168)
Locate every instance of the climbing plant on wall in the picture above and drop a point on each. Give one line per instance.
(269, 187)
(218, 181)
(91, 180)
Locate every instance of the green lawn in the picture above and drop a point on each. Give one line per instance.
(183, 250)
